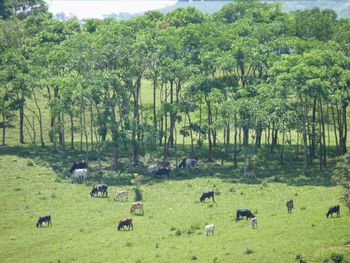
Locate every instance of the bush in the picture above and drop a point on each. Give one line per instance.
(30, 163)
(248, 251)
(138, 194)
(178, 232)
(337, 258)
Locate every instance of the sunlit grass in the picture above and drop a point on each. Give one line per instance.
(84, 229)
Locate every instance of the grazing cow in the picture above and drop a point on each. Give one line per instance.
(290, 205)
(333, 209)
(78, 165)
(189, 163)
(99, 188)
(207, 195)
(159, 169)
(121, 194)
(209, 229)
(254, 223)
(137, 205)
(244, 212)
(79, 174)
(125, 222)
(250, 173)
(43, 219)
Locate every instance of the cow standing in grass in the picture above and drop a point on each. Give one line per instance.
(333, 209)
(125, 222)
(137, 206)
(244, 212)
(209, 229)
(207, 195)
(123, 194)
(78, 165)
(99, 188)
(79, 174)
(189, 163)
(44, 219)
(254, 222)
(290, 205)
(159, 169)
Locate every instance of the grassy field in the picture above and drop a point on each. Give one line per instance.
(84, 229)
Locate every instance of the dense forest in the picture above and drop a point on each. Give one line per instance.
(250, 78)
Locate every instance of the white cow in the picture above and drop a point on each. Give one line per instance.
(254, 223)
(189, 163)
(209, 229)
(79, 174)
(121, 194)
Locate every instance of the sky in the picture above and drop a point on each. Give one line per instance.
(98, 8)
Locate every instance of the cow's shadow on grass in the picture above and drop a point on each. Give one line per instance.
(291, 173)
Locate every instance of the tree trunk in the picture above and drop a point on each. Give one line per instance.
(172, 117)
(313, 131)
(210, 143)
(324, 150)
(304, 133)
(91, 128)
(40, 119)
(282, 149)
(21, 120)
(344, 129)
(3, 129)
(335, 131)
(235, 141)
(71, 131)
(154, 103)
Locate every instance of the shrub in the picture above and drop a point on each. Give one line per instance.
(30, 163)
(337, 258)
(248, 251)
(138, 194)
(178, 232)
(128, 244)
(194, 258)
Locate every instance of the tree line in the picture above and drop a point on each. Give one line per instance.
(249, 75)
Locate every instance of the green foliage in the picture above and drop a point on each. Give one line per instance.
(337, 258)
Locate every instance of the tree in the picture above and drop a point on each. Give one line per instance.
(21, 8)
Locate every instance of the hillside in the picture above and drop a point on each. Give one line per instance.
(341, 7)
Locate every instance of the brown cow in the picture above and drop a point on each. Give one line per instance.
(137, 205)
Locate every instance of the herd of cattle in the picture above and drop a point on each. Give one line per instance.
(79, 171)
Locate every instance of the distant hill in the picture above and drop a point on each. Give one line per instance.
(341, 7)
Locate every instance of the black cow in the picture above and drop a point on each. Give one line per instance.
(43, 219)
(159, 169)
(125, 222)
(207, 195)
(333, 209)
(163, 171)
(99, 188)
(244, 212)
(78, 165)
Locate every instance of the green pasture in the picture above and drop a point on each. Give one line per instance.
(171, 230)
